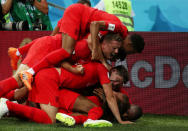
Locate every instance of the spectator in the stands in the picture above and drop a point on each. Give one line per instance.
(29, 15)
(5, 6)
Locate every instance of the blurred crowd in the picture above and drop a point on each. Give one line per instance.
(24, 15)
(33, 14)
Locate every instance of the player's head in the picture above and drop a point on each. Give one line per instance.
(133, 43)
(85, 2)
(110, 44)
(133, 113)
(123, 102)
(118, 77)
(123, 105)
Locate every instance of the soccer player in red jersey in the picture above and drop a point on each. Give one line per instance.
(46, 93)
(119, 76)
(15, 54)
(82, 20)
(80, 110)
(73, 104)
(94, 72)
(73, 109)
(111, 42)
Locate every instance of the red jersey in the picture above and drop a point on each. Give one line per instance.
(45, 45)
(67, 100)
(46, 85)
(94, 72)
(77, 18)
(82, 52)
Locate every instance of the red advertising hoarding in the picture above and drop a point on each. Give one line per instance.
(158, 76)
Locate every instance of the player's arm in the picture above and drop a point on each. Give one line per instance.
(107, 87)
(78, 69)
(112, 103)
(95, 27)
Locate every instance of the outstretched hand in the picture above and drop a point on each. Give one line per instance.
(126, 122)
(79, 69)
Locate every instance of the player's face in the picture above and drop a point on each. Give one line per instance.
(110, 49)
(128, 46)
(117, 80)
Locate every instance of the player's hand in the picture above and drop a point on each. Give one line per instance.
(126, 122)
(79, 69)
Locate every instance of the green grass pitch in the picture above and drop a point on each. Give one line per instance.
(147, 123)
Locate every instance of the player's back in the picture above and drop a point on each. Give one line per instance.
(93, 72)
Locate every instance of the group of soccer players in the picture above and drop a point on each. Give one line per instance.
(73, 58)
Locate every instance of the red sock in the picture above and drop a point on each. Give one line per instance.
(51, 59)
(31, 113)
(95, 113)
(7, 85)
(80, 119)
(10, 95)
(24, 49)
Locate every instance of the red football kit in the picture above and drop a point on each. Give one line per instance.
(77, 18)
(48, 81)
(76, 22)
(67, 100)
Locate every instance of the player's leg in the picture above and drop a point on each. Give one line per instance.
(13, 82)
(50, 110)
(16, 53)
(31, 113)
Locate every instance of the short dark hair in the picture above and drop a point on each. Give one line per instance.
(134, 113)
(123, 106)
(121, 54)
(84, 2)
(138, 42)
(122, 71)
(111, 36)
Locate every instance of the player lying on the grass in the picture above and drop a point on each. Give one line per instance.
(128, 110)
(67, 103)
(82, 104)
(82, 54)
(94, 72)
(73, 109)
(118, 76)
(67, 100)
